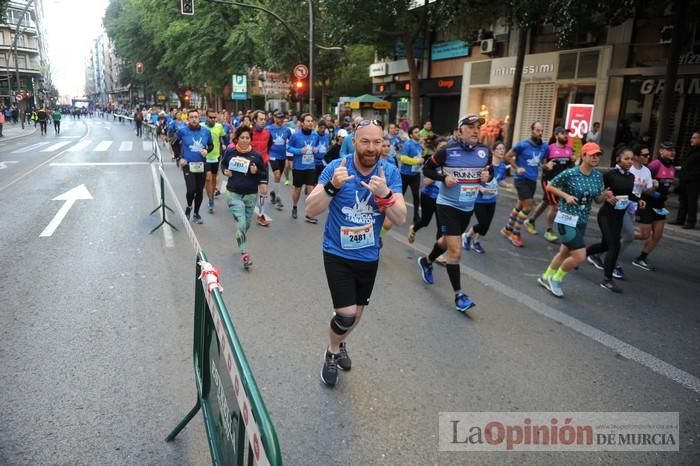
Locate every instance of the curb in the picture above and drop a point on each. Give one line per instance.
(10, 138)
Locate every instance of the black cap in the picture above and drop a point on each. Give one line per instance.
(666, 145)
(278, 114)
(560, 129)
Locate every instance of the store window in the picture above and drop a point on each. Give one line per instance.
(632, 122)
(493, 105)
(571, 94)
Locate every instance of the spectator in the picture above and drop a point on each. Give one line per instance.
(427, 131)
(689, 188)
(594, 134)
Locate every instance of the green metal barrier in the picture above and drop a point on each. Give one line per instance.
(238, 426)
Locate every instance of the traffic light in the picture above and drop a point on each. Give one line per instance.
(407, 86)
(139, 68)
(300, 86)
(187, 7)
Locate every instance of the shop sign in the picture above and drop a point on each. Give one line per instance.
(689, 58)
(239, 90)
(579, 119)
(450, 49)
(538, 67)
(441, 85)
(397, 67)
(683, 86)
(377, 69)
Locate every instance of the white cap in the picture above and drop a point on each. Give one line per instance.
(342, 133)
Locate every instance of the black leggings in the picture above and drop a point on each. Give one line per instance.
(195, 187)
(484, 215)
(57, 126)
(611, 228)
(414, 182)
(427, 209)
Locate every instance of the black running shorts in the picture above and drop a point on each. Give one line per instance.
(303, 177)
(277, 165)
(350, 281)
(647, 216)
(525, 189)
(211, 167)
(453, 222)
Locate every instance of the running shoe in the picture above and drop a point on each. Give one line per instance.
(411, 235)
(294, 212)
(196, 218)
(550, 236)
(287, 182)
(531, 228)
(608, 284)
(595, 261)
(507, 233)
(343, 360)
(329, 372)
(463, 303)
(543, 282)
(188, 211)
(280, 206)
(555, 288)
(262, 221)
(311, 220)
(246, 260)
(466, 241)
(618, 272)
(211, 206)
(517, 241)
(476, 247)
(217, 193)
(426, 271)
(643, 264)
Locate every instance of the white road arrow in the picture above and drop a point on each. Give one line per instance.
(3, 165)
(77, 193)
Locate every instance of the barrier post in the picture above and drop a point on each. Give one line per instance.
(238, 426)
(162, 206)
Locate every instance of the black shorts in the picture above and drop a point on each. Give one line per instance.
(647, 216)
(453, 222)
(277, 165)
(303, 177)
(525, 189)
(212, 167)
(547, 196)
(319, 170)
(349, 281)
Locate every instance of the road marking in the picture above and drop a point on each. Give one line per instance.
(167, 231)
(96, 164)
(103, 146)
(3, 165)
(623, 349)
(56, 146)
(29, 148)
(147, 145)
(77, 193)
(125, 146)
(80, 146)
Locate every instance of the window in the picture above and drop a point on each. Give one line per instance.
(22, 62)
(481, 72)
(588, 64)
(567, 65)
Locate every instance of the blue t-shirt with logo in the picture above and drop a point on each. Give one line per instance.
(324, 142)
(465, 163)
(194, 141)
(529, 156)
(354, 220)
(489, 191)
(280, 138)
(300, 146)
(412, 149)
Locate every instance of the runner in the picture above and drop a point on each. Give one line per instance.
(324, 142)
(278, 155)
(576, 189)
(559, 158)
(246, 171)
(303, 145)
(525, 158)
(464, 166)
(486, 202)
(42, 117)
(218, 135)
(428, 199)
(611, 217)
(359, 191)
(195, 144)
(663, 172)
(411, 163)
(262, 141)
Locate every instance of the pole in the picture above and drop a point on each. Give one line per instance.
(311, 57)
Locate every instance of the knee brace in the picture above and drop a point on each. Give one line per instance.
(341, 323)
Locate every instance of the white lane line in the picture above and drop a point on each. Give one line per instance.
(167, 231)
(29, 148)
(624, 349)
(56, 146)
(96, 164)
(80, 146)
(103, 146)
(126, 146)
(147, 145)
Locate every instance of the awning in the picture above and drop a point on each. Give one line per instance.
(369, 101)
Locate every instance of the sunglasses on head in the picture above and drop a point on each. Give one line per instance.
(369, 123)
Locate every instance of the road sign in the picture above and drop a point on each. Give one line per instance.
(579, 119)
(77, 193)
(301, 72)
(239, 91)
(19, 97)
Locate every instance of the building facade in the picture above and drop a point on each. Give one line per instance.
(23, 68)
(102, 70)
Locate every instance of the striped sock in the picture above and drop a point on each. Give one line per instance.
(512, 219)
(519, 222)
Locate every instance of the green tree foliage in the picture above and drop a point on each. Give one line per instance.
(3, 10)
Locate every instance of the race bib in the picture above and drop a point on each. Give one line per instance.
(566, 219)
(622, 202)
(467, 193)
(307, 158)
(196, 167)
(415, 168)
(638, 187)
(239, 164)
(357, 237)
(662, 211)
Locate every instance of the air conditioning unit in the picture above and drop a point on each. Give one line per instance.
(487, 46)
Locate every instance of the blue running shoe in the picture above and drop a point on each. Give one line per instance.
(466, 241)
(618, 272)
(463, 303)
(426, 271)
(476, 247)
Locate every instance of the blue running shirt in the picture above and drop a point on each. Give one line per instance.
(466, 164)
(194, 141)
(300, 146)
(529, 156)
(280, 138)
(354, 220)
(489, 191)
(414, 150)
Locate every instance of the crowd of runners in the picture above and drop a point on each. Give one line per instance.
(359, 171)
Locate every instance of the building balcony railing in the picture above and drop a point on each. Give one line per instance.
(20, 48)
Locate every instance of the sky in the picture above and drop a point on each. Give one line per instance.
(71, 27)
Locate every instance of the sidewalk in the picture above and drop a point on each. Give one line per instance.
(12, 131)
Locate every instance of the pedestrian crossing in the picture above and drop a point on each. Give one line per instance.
(86, 145)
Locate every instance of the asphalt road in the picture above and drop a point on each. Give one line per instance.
(95, 360)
